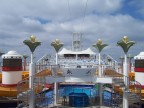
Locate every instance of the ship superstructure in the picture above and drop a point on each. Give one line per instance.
(77, 67)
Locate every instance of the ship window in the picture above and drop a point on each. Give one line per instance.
(139, 63)
(12, 62)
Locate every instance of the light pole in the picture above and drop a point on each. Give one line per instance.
(57, 45)
(130, 58)
(125, 44)
(99, 46)
(122, 59)
(25, 63)
(32, 43)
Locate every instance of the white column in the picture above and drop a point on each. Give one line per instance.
(56, 85)
(56, 58)
(31, 83)
(126, 82)
(100, 74)
(55, 93)
(102, 69)
(100, 85)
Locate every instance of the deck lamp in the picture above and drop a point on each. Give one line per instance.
(125, 44)
(25, 63)
(57, 44)
(32, 43)
(99, 46)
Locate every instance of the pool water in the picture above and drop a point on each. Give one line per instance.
(67, 90)
(90, 91)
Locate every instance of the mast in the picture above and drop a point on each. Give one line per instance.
(76, 42)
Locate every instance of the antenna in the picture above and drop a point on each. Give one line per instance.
(76, 43)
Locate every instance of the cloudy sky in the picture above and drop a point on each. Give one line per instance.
(109, 20)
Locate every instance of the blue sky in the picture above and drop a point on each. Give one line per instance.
(109, 20)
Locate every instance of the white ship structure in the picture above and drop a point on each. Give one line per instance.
(71, 69)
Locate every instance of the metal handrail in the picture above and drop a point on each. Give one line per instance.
(134, 87)
(24, 82)
(24, 91)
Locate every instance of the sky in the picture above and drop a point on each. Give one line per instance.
(48, 20)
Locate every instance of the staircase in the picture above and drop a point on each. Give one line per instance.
(117, 89)
(24, 91)
(42, 69)
(118, 86)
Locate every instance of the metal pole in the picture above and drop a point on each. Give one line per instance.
(100, 74)
(55, 84)
(31, 83)
(100, 85)
(125, 95)
(56, 58)
(55, 93)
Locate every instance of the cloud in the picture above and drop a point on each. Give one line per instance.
(58, 11)
(105, 6)
(51, 19)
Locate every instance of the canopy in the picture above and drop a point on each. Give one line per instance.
(66, 51)
(139, 56)
(87, 51)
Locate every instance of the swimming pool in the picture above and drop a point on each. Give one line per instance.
(90, 90)
(77, 93)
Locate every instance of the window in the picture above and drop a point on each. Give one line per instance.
(139, 63)
(12, 62)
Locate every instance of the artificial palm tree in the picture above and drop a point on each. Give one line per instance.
(57, 45)
(25, 63)
(125, 44)
(32, 43)
(99, 46)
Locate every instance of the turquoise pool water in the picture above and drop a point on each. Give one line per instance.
(90, 91)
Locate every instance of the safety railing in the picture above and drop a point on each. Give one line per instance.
(42, 100)
(24, 91)
(132, 87)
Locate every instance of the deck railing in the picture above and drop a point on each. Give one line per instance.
(42, 100)
(133, 88)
